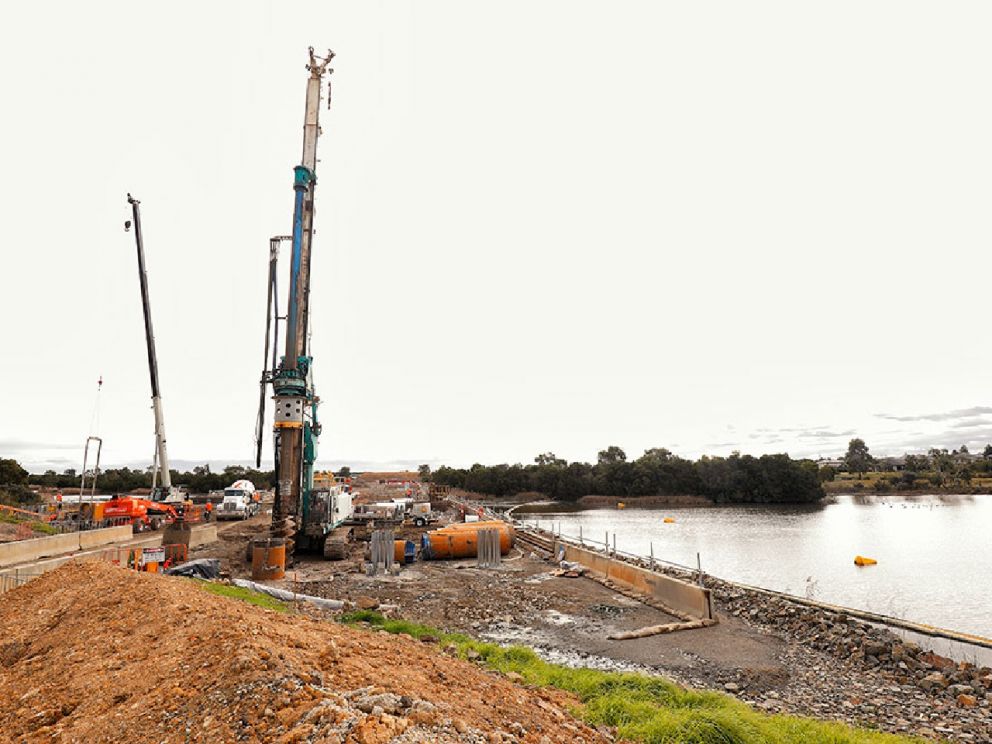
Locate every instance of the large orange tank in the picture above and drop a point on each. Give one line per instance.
(462, 540)
(493, 524)
(404, 552)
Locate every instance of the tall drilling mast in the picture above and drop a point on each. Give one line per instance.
(296, 426)
(164, 491)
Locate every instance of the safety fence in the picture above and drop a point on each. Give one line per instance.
(8, 582)
(609, 546)
(153, 559)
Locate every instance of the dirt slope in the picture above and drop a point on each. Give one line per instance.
(91, 652)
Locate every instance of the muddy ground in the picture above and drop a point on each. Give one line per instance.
(523, 602)
(567, 620)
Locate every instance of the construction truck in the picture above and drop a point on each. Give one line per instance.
(240, 501)
(307, 517)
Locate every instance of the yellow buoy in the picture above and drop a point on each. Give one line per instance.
(621, 505)
(669, 520)
(860, 560)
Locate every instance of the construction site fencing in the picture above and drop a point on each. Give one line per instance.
(609, 546)
(146, 559)
(12, 581)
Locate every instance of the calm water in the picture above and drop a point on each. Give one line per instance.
(934, 552)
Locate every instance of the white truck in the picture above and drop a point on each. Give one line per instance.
(240, 501)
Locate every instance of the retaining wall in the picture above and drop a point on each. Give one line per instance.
(22, 551)
(680, 595)
(14, 576)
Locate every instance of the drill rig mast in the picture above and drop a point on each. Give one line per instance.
(300, 514)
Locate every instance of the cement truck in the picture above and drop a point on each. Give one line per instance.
(240, 501)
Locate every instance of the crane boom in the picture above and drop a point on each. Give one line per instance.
(165, 491)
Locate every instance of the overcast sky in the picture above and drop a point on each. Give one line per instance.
(540, 225)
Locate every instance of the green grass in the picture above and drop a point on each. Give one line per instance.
(245, 595)
(36, 526)
(645, 709)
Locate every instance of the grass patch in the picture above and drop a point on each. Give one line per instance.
(645, 709)
(37, 526)
(245, 595)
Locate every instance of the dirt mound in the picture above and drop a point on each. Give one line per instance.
(91, 652)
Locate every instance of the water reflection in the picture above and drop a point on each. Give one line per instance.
(933, 551)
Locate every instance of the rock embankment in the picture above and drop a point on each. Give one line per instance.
(869, 674)
(844, 668)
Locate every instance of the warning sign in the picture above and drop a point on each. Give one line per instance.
(152, 555)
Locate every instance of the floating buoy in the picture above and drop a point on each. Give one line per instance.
(621, 505)
(669, 520)
(860, 560)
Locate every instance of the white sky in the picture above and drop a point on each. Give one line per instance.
(541, 226)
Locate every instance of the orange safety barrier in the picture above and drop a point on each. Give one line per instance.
(152, 560)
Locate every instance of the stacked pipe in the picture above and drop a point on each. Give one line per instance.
(461, 540)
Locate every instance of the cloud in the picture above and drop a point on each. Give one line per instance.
(949, 439)
(825, 434)
(971, 423)
(960, 413)
(24, 445)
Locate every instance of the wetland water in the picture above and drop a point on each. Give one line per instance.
(934, 552)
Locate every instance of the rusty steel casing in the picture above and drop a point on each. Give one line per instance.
(268, 559)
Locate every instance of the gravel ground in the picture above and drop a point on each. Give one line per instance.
(91, 652)
(773, 654)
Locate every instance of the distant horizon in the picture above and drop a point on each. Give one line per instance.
(39, 467)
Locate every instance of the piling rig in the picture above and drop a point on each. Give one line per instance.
(307, 518)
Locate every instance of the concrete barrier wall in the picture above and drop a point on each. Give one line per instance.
(23, 551)
(202, 535)
(679, 595)
(108, 536)
(11, 577)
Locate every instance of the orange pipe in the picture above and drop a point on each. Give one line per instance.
(462, 543)
(492, 524)
(505, 530)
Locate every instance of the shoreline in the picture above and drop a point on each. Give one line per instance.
(907, 679)
(924, 631)
(543, 505)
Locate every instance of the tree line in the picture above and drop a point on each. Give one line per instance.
(14, 479)
(936, 467)
(767, 479)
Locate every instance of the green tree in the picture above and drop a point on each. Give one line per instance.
(425, 472)
(942, 462)
(344, 472)
(858, 459)
(11, 473)
(611, 455)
